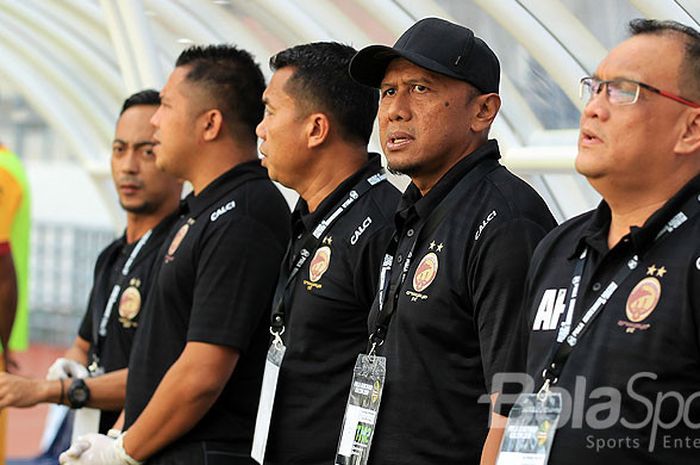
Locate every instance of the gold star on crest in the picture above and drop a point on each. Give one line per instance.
(439, 247)
(328, 240)
(661, 271)
(651, 270)
(432, 245)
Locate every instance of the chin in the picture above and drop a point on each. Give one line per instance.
(585, 163)
(406, 169)
(137, 208)
(589, 171)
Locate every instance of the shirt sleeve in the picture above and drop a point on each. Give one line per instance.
(236, 275)
(497, 282)
(85, 330)
(10, 198)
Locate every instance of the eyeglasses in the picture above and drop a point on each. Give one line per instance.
(623, 91)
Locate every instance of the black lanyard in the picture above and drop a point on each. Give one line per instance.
(567, 339)
(310, 243)
(388, 294)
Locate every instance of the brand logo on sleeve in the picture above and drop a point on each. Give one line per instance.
(222, 210)
(484, 223)
(360, 229)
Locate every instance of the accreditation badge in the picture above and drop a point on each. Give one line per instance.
(530, 429)
(361, 410)
(275, 355)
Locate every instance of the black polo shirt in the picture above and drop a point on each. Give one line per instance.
(215, 282)
(123, 316)
(327, 318)
(458, 310)
(650, 325)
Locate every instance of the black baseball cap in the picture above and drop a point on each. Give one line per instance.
(437, 45)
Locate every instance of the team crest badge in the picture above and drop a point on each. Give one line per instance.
(425, 272)
(320, 263)
(130, 305)
(177, 240)
(643, 299)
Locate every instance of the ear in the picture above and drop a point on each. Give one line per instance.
(317, 129)
(487, 106)
(689, 142)
(211, 124)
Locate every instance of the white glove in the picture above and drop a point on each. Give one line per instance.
(97, 449)
(64, 368)
(74, 451)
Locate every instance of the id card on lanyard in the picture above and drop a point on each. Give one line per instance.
(361, 410)
(530, 429)
(275, 355)
(532, 422)
(277, 349)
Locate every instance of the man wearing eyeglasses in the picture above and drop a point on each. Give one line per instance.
(614, 294)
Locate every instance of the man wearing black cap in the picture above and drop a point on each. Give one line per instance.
(447, 316)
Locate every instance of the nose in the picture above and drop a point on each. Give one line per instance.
(260, 130)
(396, 107)
(155, 119)
(597, 106)
(130, 162)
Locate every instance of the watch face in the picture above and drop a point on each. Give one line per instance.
(78, 393)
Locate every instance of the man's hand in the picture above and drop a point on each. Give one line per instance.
(96, 449)
(17, 391)
(9, 361)
(64, 368)
(74, 452)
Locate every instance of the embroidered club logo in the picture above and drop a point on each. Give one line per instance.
(643, 299)
(129, 304)
(425, 272)
(320, 263)
(177, 240)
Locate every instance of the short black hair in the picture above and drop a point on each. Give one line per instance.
(689, 72)
(145, 97)
(232, 78)
(321, 78)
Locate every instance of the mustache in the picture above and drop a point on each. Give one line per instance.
(130, 180)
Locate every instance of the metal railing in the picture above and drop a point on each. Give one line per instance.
(61, 273)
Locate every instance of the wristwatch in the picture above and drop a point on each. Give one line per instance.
(78, 394)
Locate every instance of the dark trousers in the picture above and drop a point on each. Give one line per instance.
(201, 453)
